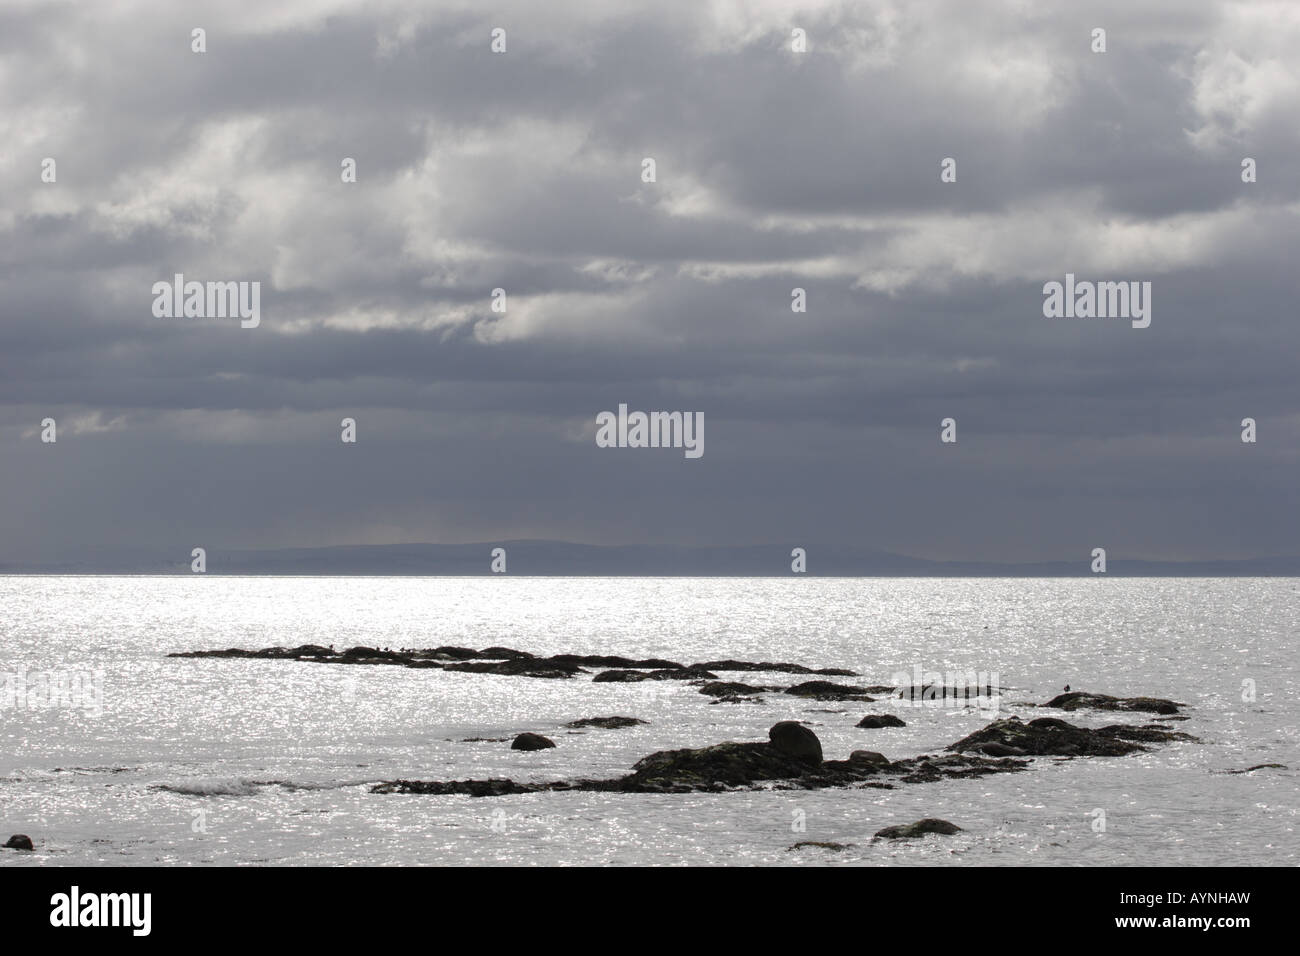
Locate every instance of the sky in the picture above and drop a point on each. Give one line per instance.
(775, 169)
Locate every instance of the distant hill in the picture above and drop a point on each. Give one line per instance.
(566, 558)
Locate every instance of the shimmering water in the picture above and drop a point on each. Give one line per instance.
(230, 762)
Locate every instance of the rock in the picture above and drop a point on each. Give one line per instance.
(723, 688)
(873, 721)
(828, 690)
(730, 665)
(868, 758)
(518, 666)
(795, 740)
(820, 845)
(920, 828)
(1048, 736)
(620, 677)
(608, 723)
(1077, 700)
(995, 749)
(19, 841)
(531, 741)
(1261, 766)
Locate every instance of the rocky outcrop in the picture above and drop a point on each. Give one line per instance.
(510, 662)
(733, 665)
(828, 690)
(531, 741)
(874, 721)
(607, 723)
(920, 828)
(1078, 700)
(519, 666)
(1048, 736)
(19, 841)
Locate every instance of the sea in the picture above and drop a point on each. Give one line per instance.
(113, 753)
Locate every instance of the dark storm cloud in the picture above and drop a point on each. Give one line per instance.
(775, 170)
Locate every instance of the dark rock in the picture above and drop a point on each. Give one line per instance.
(620, 677)
(873, 721)
(604, 660)
(820, 845)
(828, 690)
(518, 666)
(794, 739)
(920, 828)
(1261, 766)
(1048, 736)
(995, 749)
(608, 723)
(732, 665)
(868, 758)
(19, 841)
(734, 699)
(531, 741)
(1078, 700)
(503, 653)
(451, 652)
(722, 688)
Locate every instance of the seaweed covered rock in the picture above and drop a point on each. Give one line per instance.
(1049, 736)
(794, 739)
(531, 741)
(920, 828)
(1079, 700)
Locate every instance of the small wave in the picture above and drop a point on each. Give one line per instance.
(244, 787)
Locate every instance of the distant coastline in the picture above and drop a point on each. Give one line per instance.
(542, 558)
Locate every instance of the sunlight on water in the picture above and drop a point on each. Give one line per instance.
(230, 761)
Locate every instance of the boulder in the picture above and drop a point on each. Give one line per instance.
(19, 841)
(868, 758)
(872, 721)
(531, 741)
(920, 828)
(795, 740)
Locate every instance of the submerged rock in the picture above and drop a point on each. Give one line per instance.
(794, 739)
(1078, 700)
(920, 828)
(820, 845)
(731, 665)
(1261, 766)
(531, 741)
(873, 721)
(608, 723)
(19, 841)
